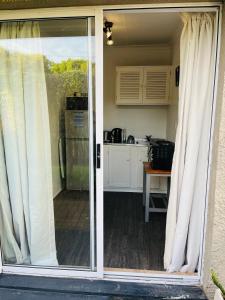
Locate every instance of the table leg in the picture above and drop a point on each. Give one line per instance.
(168, 187)
(148, 191)
(144, 186)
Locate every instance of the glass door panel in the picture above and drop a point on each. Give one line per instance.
(47, 142)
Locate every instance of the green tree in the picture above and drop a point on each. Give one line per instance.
(69, 75)
(68, 65)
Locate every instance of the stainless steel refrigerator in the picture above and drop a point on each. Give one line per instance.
(77, 149)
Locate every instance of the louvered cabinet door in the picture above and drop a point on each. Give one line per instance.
(129, 85)
(156, 85)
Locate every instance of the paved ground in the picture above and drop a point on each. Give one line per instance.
(39, 288)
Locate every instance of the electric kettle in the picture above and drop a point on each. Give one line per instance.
(116, 135)
(130, 139)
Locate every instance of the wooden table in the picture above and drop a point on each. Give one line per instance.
(148, 172)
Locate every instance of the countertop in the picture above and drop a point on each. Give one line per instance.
(125, 144)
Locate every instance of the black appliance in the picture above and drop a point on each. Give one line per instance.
(76, 103)
(130, 139)
(116, 135)
(161, 154)
(107, 136)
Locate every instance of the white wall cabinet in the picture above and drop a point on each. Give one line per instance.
(156, 84)
(129, 85)
(123, 167)
(143, 85)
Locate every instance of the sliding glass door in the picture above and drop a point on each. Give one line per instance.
(47, 143)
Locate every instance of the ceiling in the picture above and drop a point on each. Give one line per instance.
(129, 28)
(18, 4)
(143, 28)
(63, 28)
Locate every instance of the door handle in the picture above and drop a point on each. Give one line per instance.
(98, 156)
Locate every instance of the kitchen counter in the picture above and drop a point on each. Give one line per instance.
(123, 166)
(125, 144)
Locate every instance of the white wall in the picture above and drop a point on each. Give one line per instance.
(138, 120)
(55, 107)
(172, 113)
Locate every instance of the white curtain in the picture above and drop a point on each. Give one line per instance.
(26, 201)
(185, 216)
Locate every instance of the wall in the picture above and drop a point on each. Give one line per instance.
(172, 112)
(55, 107)
(214, 256)
(138, 120)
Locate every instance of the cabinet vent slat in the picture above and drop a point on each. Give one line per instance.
(142, 85)
(129, 86)
(156, 85)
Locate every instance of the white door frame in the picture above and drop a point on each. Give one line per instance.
(97, 12)
(0, 261)
(164, 277)
(66, 13)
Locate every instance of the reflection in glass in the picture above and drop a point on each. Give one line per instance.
(44, 142)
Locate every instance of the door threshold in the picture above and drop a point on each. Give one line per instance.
(151, 276)
(117, 270)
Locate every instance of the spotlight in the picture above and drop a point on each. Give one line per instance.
(110, 42)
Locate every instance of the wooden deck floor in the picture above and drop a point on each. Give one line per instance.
(129, 242)
(72, 228)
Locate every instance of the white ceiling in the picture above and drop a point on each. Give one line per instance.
(60, 28)
(143, 28)
(128, 28)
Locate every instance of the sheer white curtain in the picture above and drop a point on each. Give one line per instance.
(26, 201)
(185, 215)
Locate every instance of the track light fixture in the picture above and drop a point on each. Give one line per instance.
(110, 41)
(108, 32)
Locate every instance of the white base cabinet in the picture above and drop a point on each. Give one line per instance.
(123, 167)
(139, 156)
(119, 170)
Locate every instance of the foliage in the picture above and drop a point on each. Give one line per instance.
(69, 65)
(69, 76)
(216, 281)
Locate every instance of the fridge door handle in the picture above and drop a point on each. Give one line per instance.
(98, 156)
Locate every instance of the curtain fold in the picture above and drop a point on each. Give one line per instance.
(185, 216)
(27, 232)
